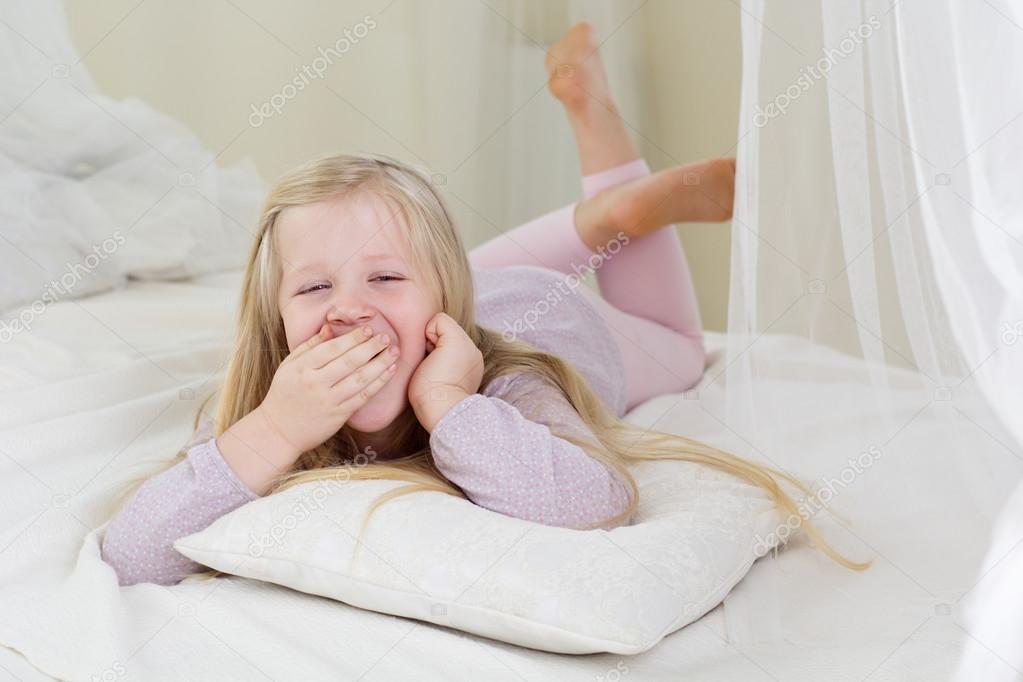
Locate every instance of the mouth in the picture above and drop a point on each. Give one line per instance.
(386, 350)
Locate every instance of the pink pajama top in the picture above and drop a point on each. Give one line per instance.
(485, 444)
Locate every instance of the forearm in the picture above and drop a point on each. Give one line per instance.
(508, 464)
(139, 542)
(256, 452)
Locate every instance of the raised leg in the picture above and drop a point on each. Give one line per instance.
(550, 241)
(649, 301)
(576, 78)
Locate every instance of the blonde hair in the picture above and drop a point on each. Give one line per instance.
(438, 254)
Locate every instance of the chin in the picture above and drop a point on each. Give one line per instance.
(381, 411)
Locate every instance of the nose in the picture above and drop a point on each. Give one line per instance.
(349, 311)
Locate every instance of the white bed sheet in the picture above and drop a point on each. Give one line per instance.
(104, 386)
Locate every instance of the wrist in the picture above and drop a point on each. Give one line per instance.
(436, 403)
(256, 451)
(265, 428)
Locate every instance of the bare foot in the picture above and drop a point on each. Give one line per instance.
(697, 192)
(577, 79)
(575, 72)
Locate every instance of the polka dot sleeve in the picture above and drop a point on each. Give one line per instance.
(188, 497)
(515, 465)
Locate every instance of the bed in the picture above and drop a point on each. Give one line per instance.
(104, 387)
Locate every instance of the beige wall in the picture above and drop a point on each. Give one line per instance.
(694, 58)
(206, 63)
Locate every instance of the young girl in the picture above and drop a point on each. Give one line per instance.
(500, 382)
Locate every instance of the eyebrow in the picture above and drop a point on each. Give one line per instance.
(374, 257)
(381, 256)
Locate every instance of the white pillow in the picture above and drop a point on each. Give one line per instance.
(437, 558)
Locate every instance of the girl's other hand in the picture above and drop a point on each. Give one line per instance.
(453, 361)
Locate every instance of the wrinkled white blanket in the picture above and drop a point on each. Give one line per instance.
(104, 386)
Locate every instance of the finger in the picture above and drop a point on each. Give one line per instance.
(323, 334)
(356, 389)
(330, 349)
(353, 360)
(435, 328)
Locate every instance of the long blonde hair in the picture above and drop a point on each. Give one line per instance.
(439, 254)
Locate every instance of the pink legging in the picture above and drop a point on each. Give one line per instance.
(647, 300)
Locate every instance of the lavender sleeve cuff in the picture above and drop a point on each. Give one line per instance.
(188, 497)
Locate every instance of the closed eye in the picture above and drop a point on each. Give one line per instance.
(317, 287)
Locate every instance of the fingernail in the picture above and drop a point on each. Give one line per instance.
(367, 332)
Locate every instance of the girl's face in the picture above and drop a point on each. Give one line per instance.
(345, 261)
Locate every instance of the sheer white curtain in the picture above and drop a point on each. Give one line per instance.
(879, 216)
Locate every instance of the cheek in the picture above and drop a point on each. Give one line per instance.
(411, 321)
(298, 327)
(412, 340)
